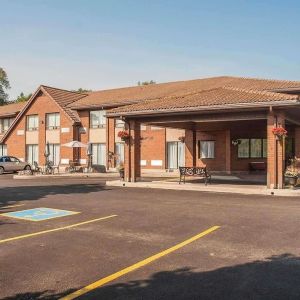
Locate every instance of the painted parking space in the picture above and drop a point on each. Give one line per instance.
(39, 214)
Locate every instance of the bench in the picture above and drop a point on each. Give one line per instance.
(194, 171)
(257, 166)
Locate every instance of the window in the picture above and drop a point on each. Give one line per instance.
(207, 149)
(120, 123)
(97, 119)
(52, 121)
(32, 154)
(252, 148)
(14, 159)
(3, 150)
(99, 154)
(54, 154)
(175, 155)
(32, 122)
(119, 153)
(5, 124)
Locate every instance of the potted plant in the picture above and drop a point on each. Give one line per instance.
(279, 132)
(291, 174)
(121, 170)
(123, 135)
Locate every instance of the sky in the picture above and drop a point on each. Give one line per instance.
(101, 44)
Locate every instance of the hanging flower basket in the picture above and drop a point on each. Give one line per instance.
(181, 139)
(123, 135)
(279, 132)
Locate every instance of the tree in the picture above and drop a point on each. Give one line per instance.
(81, 90)
(146, 82)
(4, 85)
(23, 98)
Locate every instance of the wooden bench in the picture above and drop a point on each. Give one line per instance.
(194, 171)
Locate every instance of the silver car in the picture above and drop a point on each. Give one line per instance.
(12, 164)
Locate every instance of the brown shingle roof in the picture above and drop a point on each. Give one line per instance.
(129, 95)
(214, 97)
(64, 98)
(11, 109)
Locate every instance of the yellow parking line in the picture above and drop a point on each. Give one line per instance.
(54, 229)
(137, 265)
(11, 206)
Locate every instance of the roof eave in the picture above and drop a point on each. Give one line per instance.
(206, 108)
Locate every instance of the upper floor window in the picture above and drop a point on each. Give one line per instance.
(32, 122)
(5, 124)
(120, 123)
(53, 121)
(97, 118)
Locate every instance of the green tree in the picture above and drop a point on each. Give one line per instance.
(4, 86)
(23, 98)
(81, 90)
(146, 82)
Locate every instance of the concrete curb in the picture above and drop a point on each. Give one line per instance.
(61, 176)
(202, 188)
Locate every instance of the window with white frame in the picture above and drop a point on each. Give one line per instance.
(52, 121)
(5, 124)
(3, 150)
(120, 123)
(32, 122)
(97, 119)
(119, 149)
(54, 154)
(252, 148)
(99, 154)
(206, 149)
(32, 153)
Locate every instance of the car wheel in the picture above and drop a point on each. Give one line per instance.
(28, 168)
(1, 170)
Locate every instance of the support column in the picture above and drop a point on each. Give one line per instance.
(276, 152)
(190, 148)
(110, 142)
(133, 152)
(228, 152)
(297, 142)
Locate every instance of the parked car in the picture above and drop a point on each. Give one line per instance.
(12, 164)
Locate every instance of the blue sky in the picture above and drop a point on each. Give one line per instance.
(106, 44)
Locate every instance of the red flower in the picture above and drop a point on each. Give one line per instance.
(124, 135)
(279, 131)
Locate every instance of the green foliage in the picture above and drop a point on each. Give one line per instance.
(23, 98)
(81, 90)
(4, 85)
(146, 82)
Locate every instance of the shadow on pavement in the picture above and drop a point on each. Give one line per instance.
(12, 195)
(277, 277)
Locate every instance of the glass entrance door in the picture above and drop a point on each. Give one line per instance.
(175, 155)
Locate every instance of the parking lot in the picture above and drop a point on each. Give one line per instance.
(126, 243)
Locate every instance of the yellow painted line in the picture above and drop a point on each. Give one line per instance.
(137, 265)
(11, 206)
(54, 229)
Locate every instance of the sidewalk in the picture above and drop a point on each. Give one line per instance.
(200, 187)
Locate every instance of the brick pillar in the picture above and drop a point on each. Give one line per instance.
(110, 141)
(228, 151)
(297, 142)
(190, 148)
(276, 153)
(133, 152)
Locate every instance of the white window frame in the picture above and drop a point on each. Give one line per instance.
(32, 153)
(56, 121)
(97, 119)
(54, 154)
(3, 150)
(207, 149)
(32, 122)
(119, 123)
(5, 124)
(96, 147)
